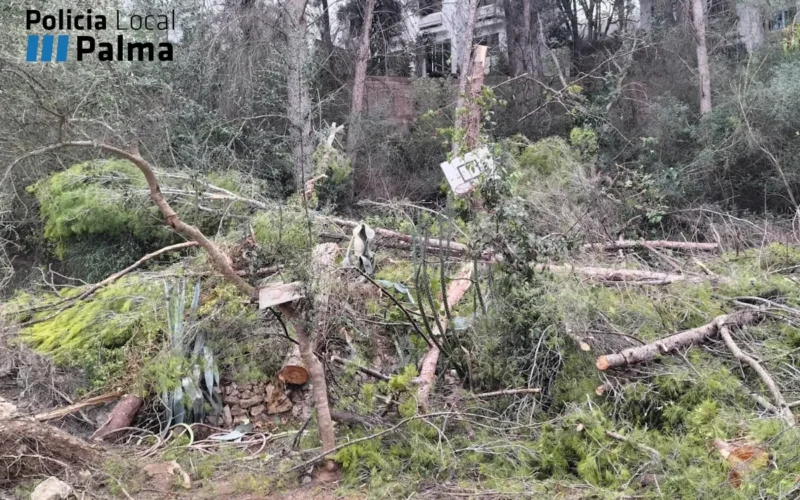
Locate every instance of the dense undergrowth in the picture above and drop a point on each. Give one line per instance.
(643, 430)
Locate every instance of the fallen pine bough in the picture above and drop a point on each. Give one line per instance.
(720, 326)
(666, 345)
(672, 245)
(66, 410)
(629, 276)
(427, 373)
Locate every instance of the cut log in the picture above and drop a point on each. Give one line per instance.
(121, 416)
(686, 338)
(673, 245)
(427, 372)
(275, 295)
(294, 370)
(631, 276)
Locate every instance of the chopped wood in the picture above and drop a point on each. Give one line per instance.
(372, 372)
(275, 295)
(121, 416)
(780, 402)
(66, 410)
(673, 245)
(427, 373)
(293, 370)
(743, 458)
(665, 345)
(628, 276)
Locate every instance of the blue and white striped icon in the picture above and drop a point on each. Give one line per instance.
(47, 48)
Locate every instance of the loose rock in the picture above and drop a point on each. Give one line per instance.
(51, 488)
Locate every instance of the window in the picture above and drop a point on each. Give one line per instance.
(781, 19)
(437, 59)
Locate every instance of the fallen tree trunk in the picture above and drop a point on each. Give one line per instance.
(453, 247)
(780, 402)
(635, 276)
(427, 372)
(121, 416)
(66, 410)
(322, 267)
(673, 245)
(665, 345)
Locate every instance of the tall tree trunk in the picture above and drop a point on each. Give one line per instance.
(298, 104)
(703, 70)
(523, 53)
(325, 29)
(316, 372)
(359, 81)
(462, 114)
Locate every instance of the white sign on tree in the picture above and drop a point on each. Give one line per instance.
(462, 172)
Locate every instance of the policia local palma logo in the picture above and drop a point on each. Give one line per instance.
(58, 47)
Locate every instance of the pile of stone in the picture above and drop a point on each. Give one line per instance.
(260, 401)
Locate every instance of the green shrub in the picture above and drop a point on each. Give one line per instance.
(104, 197)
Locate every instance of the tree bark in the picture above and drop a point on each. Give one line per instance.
(316, 372)
(521, 36)
(673, 245)
(608, 275)
(66, 410)
(686, 338)
(473, 125)
(780, 402)
(294, 369)
(452, 246)
(359, 81)
(325, 30)
(323, 262)
(464, 70)
(703, 69)
(427, 373)
(121, 416)
(298, 103)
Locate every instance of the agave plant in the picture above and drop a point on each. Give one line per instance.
(186, 403)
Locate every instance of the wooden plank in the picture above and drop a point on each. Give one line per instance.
(283, 293)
